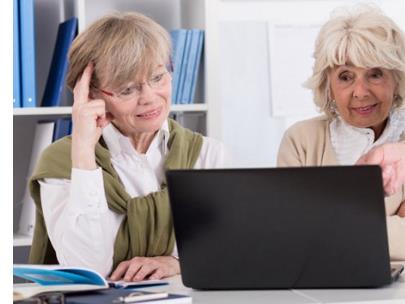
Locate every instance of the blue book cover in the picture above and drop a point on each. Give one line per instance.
(184, 63)
(27, 39)
(192, 66)
(62, 128)
(59, 65)
(16, 57)
(178, 41)
(197, 66)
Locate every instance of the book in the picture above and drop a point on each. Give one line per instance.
(178, 38)
(196, 66)
(183, 71)
(55, 83)
(56, 278)
(191, 67)
(16, 57)
(42, 138)
(27, 49)
(63, 127)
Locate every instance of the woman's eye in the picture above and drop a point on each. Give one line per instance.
(157, 78)
(345, 77)
(127, 91)
(376, 74)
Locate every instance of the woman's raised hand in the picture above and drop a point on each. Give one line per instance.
(89, 117)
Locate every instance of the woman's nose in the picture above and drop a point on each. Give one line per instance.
(146, 95)
(361, 88)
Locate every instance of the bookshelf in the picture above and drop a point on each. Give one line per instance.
(52, 111)
(171, 14)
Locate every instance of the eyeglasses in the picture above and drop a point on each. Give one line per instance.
(47, 298)
(133, 91)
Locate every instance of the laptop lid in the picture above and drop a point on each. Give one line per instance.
(312, 227)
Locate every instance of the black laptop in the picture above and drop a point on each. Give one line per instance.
(312, 227)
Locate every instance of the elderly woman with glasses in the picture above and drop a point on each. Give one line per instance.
(358, 81)
(100, 193)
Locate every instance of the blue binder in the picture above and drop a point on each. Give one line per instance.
(184, 64)
(192, 66)
(197, 66)
(59, 65)
(178, 42)
(63, 127)
(27, 38)
(16, 57)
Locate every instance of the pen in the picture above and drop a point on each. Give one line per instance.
(140, 296)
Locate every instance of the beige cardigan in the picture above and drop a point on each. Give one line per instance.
(307, 143)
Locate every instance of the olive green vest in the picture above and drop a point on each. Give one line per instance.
(147, 228)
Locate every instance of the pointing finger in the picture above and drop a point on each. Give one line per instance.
(82, 87)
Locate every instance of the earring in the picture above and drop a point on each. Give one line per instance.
(332, 106)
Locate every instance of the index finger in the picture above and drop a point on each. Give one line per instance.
(373, 157)
(119, 272)
(82, 86)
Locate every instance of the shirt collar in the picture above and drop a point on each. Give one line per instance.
(119, 144)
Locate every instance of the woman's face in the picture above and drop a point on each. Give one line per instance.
(141, 107)
(364, 97)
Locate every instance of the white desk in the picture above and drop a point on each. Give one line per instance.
(394, 293)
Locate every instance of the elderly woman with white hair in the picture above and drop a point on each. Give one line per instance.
(358, 81)
(101, 195)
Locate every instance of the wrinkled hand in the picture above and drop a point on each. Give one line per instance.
(89, 117)
(142, 268)
(391, 158)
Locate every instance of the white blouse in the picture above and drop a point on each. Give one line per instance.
(80, 226)
(349, 143)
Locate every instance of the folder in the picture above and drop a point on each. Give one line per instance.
(42, 139)
(63, 127)
(184, 64)
(59, 65)
(178, 43)
(16, 57)
(193, 63)
(27, 38)
(197, 64)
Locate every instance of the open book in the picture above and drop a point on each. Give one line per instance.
(55, 278)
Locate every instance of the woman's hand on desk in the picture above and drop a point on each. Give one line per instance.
(141, 268)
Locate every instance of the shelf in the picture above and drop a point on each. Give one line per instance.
(44, 111)
(194, 107)
(21, 240)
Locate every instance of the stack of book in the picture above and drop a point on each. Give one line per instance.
(186, 58)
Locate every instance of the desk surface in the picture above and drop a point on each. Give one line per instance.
(394, 293)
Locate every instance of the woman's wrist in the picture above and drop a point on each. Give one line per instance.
(84, 159)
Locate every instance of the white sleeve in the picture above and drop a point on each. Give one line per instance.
(79, 223)
(213, 155)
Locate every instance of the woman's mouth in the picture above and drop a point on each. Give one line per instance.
(365, 110)
(150, 114)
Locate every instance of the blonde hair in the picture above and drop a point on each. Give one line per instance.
(365, 36)
(121, 46)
